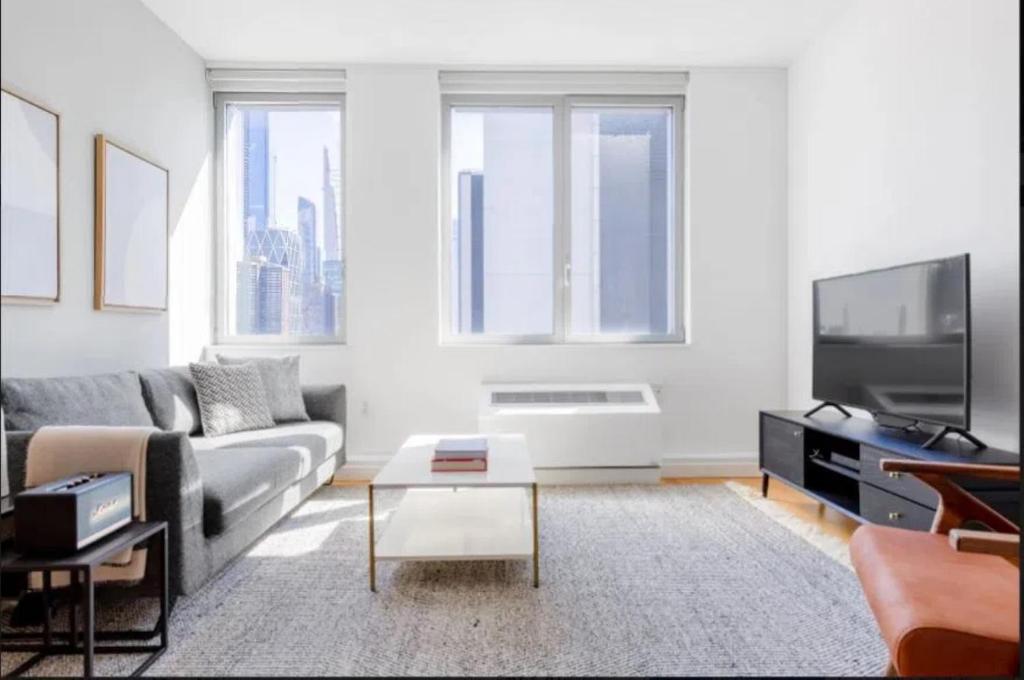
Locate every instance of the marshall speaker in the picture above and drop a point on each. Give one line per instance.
(66, 515)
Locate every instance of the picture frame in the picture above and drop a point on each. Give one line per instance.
(132, 229)
(30, 243)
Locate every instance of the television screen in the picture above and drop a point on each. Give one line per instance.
(896, 341)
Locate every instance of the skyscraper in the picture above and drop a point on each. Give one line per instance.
(247, 281)
(470, 242)
(256, 169)
(332, 247)
(263, 304)
(333, 267)
(279, 284)
(307, 235)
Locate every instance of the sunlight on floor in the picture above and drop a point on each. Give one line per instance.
(318, 507)
(294, 542)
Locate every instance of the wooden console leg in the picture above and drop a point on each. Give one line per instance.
(764, 485)
(373, 557)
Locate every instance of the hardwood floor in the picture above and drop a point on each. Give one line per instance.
(793, 501)
(801, 506)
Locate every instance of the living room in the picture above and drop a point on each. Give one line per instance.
(280, 259)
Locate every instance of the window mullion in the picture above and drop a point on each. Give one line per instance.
(561, 222)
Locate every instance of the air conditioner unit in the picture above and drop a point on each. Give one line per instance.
(600, 426)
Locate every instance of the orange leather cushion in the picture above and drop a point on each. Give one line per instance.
(941, 612)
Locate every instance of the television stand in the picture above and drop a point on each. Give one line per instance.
(837, 460)
(828, 403)
(952, 430)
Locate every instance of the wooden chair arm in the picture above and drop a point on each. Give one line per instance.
(1004, 472)
(956, 506)
(986, 542)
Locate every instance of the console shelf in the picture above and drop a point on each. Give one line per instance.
(838, 469)
(797, 449)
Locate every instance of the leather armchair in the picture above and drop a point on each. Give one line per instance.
(947, 602)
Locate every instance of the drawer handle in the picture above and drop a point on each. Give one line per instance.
(893, 516)
(895, 475)
(797, 433)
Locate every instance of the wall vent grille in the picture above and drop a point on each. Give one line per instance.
(567, 397)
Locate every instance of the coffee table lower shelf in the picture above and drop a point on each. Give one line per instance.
(459, 524)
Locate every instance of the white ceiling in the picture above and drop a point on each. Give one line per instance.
(500, 32)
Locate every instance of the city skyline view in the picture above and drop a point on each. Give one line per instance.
(283, 179)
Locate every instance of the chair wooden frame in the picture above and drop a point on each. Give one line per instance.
(957, 507)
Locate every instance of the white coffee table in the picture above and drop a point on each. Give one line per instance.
(458, 516)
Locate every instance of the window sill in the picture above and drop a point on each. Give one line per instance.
(610, 344)
(289, 344)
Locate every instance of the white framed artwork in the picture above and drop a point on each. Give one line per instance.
(29, 201)
(131, 230)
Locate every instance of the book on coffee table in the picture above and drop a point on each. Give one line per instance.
(460, 455)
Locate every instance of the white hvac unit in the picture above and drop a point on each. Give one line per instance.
(580, 426)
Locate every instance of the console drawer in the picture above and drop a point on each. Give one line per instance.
(900, 483)
(882, 507)
(782, 449)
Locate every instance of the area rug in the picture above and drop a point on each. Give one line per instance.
(635, 580)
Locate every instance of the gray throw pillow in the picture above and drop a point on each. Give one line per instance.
(231, 398)
(281, 381)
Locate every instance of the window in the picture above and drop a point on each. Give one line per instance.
(502, 240)
(562, 219)
(282, 265)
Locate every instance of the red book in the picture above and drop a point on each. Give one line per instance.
(477, 465)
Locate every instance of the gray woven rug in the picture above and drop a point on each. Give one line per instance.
(635, 580)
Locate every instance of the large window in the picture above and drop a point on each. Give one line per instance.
(562, 219)
(282, 260)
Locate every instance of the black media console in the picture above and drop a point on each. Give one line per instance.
(834, 459)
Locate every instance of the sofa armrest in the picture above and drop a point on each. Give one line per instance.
(17, 455)
(174, 494)
(325, 402)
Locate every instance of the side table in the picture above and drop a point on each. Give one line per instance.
(82, 565)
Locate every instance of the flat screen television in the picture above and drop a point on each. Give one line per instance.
(897, 341)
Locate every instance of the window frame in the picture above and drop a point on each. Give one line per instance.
(223, 324)
(562, 106)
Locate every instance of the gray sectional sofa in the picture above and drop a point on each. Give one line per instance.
(217, 494)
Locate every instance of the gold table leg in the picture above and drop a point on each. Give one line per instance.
(536, 541)
(373, 560)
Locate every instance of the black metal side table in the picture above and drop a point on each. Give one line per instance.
(82, 565)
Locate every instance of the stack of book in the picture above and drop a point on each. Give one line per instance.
(460, 455)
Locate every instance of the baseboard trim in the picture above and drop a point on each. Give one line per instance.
(598, 475)
(711, 465)
(361, 468)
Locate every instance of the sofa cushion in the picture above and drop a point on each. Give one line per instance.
(280, 382)
(106, 399)
(238, 482)
(312, 442)
(171, 398)
(231, 398)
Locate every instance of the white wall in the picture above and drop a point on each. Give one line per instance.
(904, 146)
(401, 381)
(111, 67)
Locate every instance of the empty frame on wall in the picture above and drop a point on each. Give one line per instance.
(131, 230)
(29, 201)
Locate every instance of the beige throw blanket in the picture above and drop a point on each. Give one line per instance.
(56, 452)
